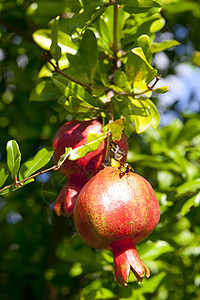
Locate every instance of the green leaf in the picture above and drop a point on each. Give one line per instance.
(91, 13)
(37, 162)
(196, 58)
(117, 127)
(120, 79)
(157, 25)
(151, 285)
(154, 250)
(151, 71)
(54, 48)
(161, 90)
(94, 140)
(69, 88)
(189, 186)
(193, 201)
(4, 173)
(144, 113)
(13, 157)
(43, 38)
(88, 52)
(140, 6)
(156, 47)
(44, 91)
(64, 156)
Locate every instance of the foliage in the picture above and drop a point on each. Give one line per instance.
(97, 62)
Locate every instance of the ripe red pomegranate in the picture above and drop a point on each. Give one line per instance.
(116, 213)
(66, 199)
(74, 134)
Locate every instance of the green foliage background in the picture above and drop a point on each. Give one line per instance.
(41, 255)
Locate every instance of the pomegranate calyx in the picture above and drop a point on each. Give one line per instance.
(126, 260)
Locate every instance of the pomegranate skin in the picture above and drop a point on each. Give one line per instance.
(74, 134)
(66, 199)
(115, 214)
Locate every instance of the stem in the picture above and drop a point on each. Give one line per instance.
(115, 44)
(19, 183)
(58, 70)
(149, 88)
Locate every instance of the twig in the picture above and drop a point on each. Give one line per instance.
(58, 70)
(149, 88)
(19, 183)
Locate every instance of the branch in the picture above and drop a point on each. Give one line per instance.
(149, 88)
(19, 183)
(58, 70)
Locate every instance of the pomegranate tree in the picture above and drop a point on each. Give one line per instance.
(115, 213)
(78, 172)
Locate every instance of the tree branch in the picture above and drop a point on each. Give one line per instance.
(19, 183)
(58, 70)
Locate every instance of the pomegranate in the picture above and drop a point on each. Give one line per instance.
(74, 134)
(65, 201)
(115, 213)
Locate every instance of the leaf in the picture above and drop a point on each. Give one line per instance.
(156, 47)
(151, 285)
(37, 162)
(69, 88)
(161, 90)
(54, 48)
(154, 250)
(13, 157)
(151, 71)
(91, 13)
(193, 201)
(44, 91)
(140, 6)
(117, 127)
(196, 58)
(43, 38)
(189, 186)
(88, 52)
(94, 140)
(4, 173)
(64, 156)
(144, 113)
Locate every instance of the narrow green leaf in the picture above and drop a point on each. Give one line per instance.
(69, 88)
(189, 186)
(94, 140)
(156, 47)
(43, 38)
(154, 250)
(161, 90)
(193, 201)
(13, 157)
(45, 91)
(37, 162)
(196, 58)
(54, 48)
(64, 156)
(4, 173)
(88, 52)
(117, 127)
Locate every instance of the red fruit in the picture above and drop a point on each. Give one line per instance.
(66, 199)
(74, 134)
(116, 214)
